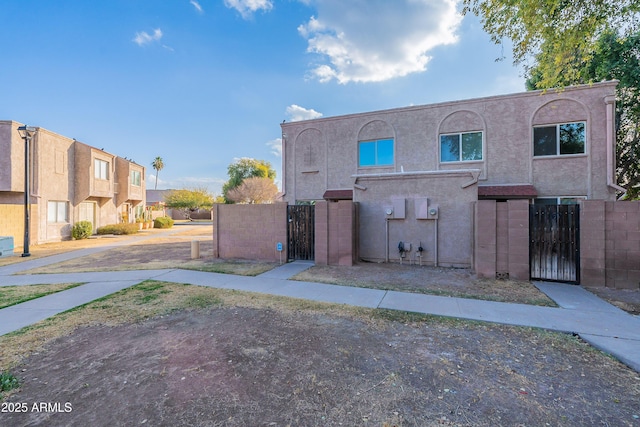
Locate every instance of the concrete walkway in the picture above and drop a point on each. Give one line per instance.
(596, 321)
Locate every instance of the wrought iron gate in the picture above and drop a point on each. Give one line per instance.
(300, 232)
(554, 242)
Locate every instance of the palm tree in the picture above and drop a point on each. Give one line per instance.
(157, 164)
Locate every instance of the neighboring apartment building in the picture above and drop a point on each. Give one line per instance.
(416, 172)
(69, 182)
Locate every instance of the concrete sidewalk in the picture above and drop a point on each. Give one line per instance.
(597, 322)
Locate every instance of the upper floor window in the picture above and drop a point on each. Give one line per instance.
(461, 147)
(57, 212)
(101, 169)
(566, 138)
(135, 178)
(375, 153)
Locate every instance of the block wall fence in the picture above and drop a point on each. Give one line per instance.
(609, 237)
(609, 242)
(249, 231)
(253, 231)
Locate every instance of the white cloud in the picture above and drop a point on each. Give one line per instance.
(247, 7)
(276, 146)
(196, 5)
(296, 113)
(142, 38)
(377, 40)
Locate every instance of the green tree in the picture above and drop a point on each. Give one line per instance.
(158, 165)
(612, 57)
(189, 201)
(245, 168)
(566, 30)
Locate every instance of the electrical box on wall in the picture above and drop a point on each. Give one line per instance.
(422, 207)
(398, 205)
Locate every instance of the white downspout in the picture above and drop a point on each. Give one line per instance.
(284, 165)
(611, 144)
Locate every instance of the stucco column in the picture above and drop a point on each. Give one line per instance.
(518, 239)
(485, 238)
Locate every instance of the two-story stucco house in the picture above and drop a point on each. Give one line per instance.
(416, 172)
(69, 182)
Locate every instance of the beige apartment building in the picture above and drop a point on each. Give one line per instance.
(69, 181)
(417, 173)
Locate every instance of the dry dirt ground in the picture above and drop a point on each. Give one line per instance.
(248, 360)
(243, 366)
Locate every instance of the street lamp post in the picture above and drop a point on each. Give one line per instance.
(26, 132)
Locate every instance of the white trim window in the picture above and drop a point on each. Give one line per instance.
(376, 153)
(461, 147)
(136, 178)
(57, 212)
(101, 169)
(559, 140)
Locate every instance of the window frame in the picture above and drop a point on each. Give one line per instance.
(376, 153)
(53, 207)
(136, 174)
(558, 139)
(460, 136)
(100, 166)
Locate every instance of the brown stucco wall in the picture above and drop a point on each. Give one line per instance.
(610, 244)
(501, 242)
(335, 233)
(249, 231)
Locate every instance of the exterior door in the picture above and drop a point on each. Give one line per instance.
(300, 232)
(554, 244)
(87, 212)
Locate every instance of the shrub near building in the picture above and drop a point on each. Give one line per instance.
(118, 229)
(163, 222)
(82, 230)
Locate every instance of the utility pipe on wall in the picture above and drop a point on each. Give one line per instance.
(435, 246)
(386, 222)
(611, 144)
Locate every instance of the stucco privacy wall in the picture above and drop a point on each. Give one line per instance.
(447, 240)
(501, 243)
(249, 231)
(335, 233)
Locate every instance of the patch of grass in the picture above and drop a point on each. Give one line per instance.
(240, 268)
(12, 295)
(8, 381)
(203, 301)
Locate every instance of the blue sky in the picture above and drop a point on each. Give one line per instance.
(202, 83)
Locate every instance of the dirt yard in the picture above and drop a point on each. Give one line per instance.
(243, 366)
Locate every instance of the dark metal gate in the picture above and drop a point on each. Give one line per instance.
(554, 242)
(300, 233)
